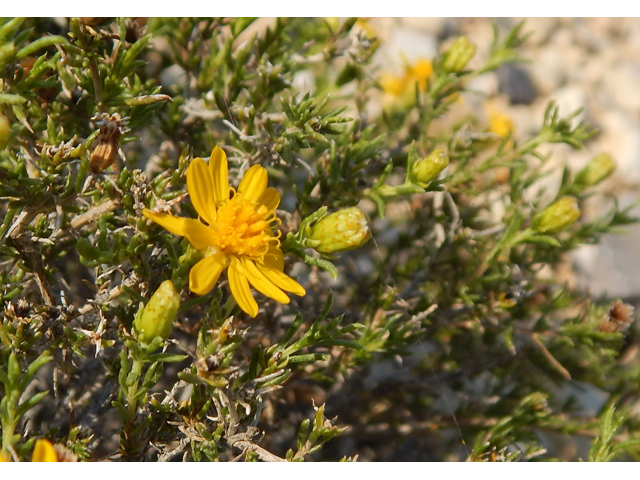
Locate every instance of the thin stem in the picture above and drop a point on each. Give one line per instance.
(95, 76)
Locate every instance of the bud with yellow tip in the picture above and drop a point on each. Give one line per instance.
(342, 230)
(156, 318)
(428, 169)
(456, 58)
(557, 216)
(599, 168)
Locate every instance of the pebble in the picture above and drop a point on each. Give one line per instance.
(515, 82)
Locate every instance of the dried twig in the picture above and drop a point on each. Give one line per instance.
(556, 364)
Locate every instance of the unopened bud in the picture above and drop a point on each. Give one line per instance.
(555, 217)
(340, 231)
(599, 168)
(428, 169)
(456, 58)
(157, 316)
(5, 130)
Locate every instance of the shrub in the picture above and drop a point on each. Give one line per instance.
(445, 331)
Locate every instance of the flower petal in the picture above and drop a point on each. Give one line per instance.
(262, 283)
(219, 169)
(253, 183)
(281, 280)
(204, 274)
(196, 232)
(240, 288)
(274, 259)
(270, 199)
(200, 187)
(44, 452)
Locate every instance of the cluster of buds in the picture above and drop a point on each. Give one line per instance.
(105, 148)
(63, 151)
(156, 318)
(557, 216)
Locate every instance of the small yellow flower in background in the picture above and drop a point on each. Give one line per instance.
(500, 124)
(391, 84)
(365, 27)
(403, 86)
(44, 452)
(421, 72)
(234, 233)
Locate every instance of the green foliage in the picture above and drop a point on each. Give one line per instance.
(444, 331)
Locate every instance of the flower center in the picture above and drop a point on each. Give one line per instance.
(243, 228)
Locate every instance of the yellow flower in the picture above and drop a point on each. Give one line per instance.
(234, 233)
(365, 27)
(403, 87)
(420, 72)
(500, 124)
(44, 452)
(392, 84)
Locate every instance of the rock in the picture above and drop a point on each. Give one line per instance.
(620, 137)
(515, 82)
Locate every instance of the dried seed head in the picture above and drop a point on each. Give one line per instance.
(618, 319)
(105, 149)
(90, 21)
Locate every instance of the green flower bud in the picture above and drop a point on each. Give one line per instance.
(555, 217)
(456, 58)
(428, 169)
(5, 130)
(156, 318)
(340, 231)
(599, 168)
